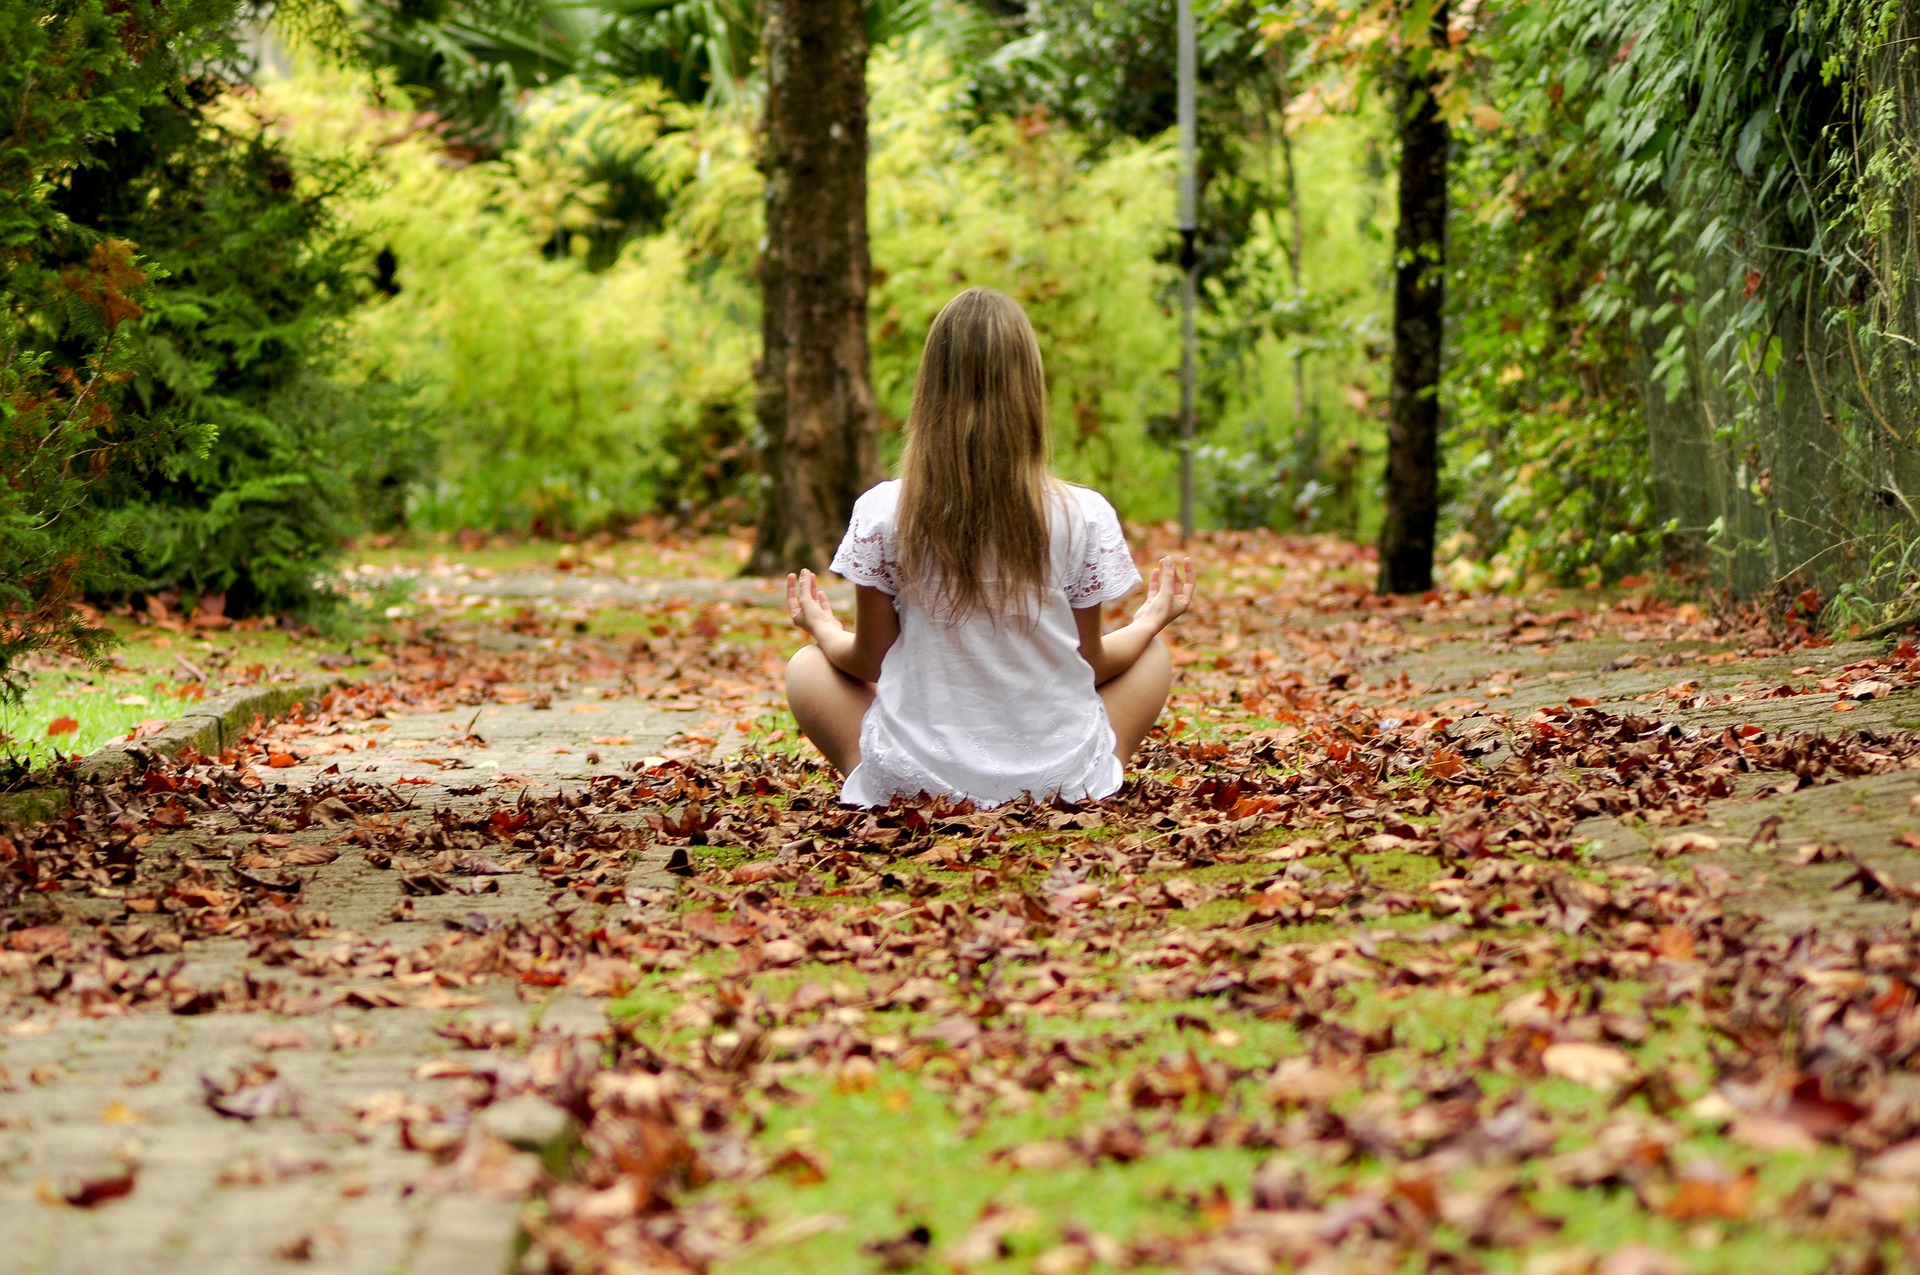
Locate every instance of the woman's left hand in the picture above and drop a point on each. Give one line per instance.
(1169, 593)
(809, 607)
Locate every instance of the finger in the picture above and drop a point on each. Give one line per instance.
(793, 596)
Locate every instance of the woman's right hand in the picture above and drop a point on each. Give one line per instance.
(809, 607)
(1169, 593)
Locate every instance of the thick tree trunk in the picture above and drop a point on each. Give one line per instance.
(1419, 295)
(816, 409)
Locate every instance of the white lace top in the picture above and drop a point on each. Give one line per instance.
(983, 710)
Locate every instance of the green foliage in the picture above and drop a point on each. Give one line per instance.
(1682, 316)
(1547, 447)
(1292, 263)
(239, 337)
(469, 60)
(173, 284)
(1737, 174)
(76, 430)
(578, 388)
(550, 384)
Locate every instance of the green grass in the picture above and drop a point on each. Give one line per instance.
(148, 678)
(898, 1151)
(896, 1156)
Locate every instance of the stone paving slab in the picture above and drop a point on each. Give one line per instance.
(319, 1191)
(540, 749)
(1759, 838)
(1764, 844)
(78, 1097)
(1655, 678)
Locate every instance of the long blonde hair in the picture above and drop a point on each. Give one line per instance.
(974, 486)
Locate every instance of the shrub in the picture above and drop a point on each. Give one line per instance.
(77, 425)
(174, 283)
(242, 335)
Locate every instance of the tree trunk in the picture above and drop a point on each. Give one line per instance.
(1419, 295)
(816, 411)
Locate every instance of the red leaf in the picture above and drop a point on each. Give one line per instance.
(507, 822)
(111, 1185)
(1445, 763)
(171, 815)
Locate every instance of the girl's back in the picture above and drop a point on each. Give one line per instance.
(978, 668)
(996, 702)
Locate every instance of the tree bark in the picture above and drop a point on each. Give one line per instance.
(1412, 494)
(816, 409)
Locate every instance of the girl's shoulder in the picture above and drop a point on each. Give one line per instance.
(878, 504)
(865, 555)
(1091, 507)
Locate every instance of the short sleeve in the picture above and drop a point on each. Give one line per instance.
(1102, 569)
(865, 555)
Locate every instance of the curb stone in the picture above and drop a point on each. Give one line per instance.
(210, 728)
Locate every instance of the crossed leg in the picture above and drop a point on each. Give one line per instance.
(828, 704)
(1134, 698)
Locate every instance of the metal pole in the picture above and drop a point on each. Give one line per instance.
(1189, 261)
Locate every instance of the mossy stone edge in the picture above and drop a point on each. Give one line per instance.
(211, 728)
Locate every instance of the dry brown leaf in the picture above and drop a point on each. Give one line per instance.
(1600, 1067)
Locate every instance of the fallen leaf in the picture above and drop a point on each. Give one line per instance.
(271, 1038)
(309, 856)
(1686, 843)
(799, 1166)
(1600, 1067)
(118, 1112)
(98, 1188)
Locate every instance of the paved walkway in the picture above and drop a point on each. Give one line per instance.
(322, 1181)
(1788, 855)
(318, 1179)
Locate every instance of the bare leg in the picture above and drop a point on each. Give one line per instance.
(828, 704)
(1134, 698)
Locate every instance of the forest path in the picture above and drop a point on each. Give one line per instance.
(115, 1152)
(339, 1002)
(1525, 659)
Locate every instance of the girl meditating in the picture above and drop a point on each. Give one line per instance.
(976, 667)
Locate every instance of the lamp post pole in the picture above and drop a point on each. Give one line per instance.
(1189, 260)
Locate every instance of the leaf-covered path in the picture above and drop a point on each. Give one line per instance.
(1562, 933)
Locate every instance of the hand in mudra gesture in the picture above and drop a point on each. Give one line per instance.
(1169, 593)
(809, 607)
